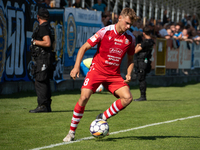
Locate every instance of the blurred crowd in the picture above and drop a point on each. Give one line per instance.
(185, 30)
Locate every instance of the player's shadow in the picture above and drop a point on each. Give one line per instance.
(164, 100)
(57, 111)
(147, 137)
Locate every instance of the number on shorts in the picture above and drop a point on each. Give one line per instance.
(86, 82)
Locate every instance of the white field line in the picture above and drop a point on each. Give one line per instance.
(136, 128)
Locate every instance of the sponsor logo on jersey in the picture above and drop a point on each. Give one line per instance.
(118, 40)
(94, 37)
(109, 37)
(71, 35)
(117, 43)
(116, 51)
(126, 41)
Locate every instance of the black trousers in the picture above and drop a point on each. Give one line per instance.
(43, 91)
(142, 70)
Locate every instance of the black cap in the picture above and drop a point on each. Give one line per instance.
(43, 12)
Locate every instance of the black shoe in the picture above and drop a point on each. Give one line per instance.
(99, 116)
(142, 98)
(39, 109)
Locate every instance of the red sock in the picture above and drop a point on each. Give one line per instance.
(77, 115)
(114, 109)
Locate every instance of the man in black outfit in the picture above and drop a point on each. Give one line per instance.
(41, 50)
(143, 63)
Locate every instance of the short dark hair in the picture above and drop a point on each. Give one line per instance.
(43, 13)
(129, 12)
(147, 30)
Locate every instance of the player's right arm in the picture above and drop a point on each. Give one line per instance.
(138, 48)
(76, 70)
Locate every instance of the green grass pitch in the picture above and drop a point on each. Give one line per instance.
(21, 130)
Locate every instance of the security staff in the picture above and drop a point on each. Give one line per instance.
(40, 50)
(143, 63)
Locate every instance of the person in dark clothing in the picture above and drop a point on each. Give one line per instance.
(195, 22)
(41, 52)
(143, 63)
(165, 18)
(77, 4)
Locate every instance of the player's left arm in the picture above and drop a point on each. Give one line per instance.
(129, 68)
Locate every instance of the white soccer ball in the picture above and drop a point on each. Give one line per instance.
(99, 128)
(100, 88)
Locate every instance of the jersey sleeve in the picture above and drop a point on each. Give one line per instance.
(97, 37)
(131, 50)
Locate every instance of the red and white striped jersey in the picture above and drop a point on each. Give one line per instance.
(111, 49)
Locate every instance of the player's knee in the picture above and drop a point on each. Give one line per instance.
(84, 98)
(127, 100)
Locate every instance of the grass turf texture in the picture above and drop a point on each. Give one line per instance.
(23, 130)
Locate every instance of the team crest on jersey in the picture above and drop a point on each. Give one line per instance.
(94, 37)
(126, 41)
(3, 41)
(71, 35)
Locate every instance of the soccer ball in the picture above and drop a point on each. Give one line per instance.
(99, 128)
(100, 88)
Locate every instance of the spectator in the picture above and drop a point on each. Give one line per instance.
(184, 20)
(152, 28)
(134, 29)
(65, 3)
(77, 4)
(108, 18)
(115, 18)
(172, 27)
(170, 33)
(162, 32)
(47, 2)
(185, 37)
(99, 6)
(195, 22)
(165, 18)
(103, 19)
(189, 21)
(184, 34)
(177, 33)
(194, 36)
(44, 3)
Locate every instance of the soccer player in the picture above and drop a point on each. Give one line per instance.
(114, 41)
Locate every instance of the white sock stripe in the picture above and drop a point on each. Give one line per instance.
(108, 113)
(112, 110)
(114, 104)
(76, 119)
(77, 114)
(74, 125)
